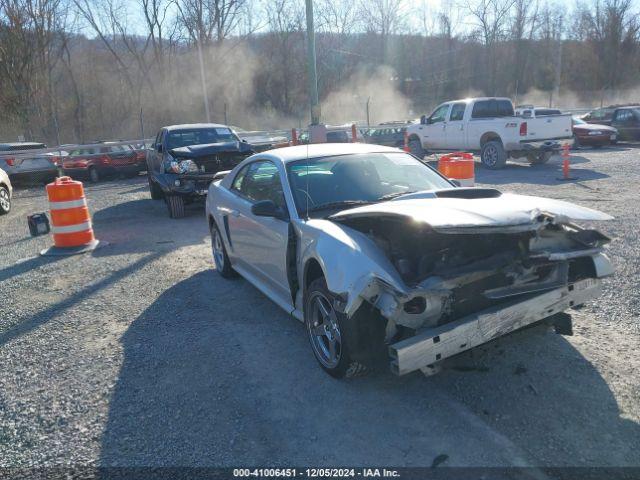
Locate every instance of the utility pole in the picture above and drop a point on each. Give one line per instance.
(311, 55)
(203, 80)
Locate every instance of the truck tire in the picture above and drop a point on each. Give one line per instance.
(540, 158)
(155, 191)
(5, 200)
(493, 155)
(175, 205)
(415, 146)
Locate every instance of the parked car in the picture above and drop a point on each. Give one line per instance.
(627, 121)
(603, 116)
(589, 134)
(95, 162)
(489, 126)
(529, 111)
(140, 150)
(377, 252)
(389, 135)
(24, 161)
(6, 192)
(334, 135)
(260, 140)
(184, 159)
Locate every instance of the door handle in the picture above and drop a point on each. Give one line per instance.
(235, 213)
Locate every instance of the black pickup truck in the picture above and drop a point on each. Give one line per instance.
(184, 159)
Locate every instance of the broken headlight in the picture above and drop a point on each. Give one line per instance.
(182, 167)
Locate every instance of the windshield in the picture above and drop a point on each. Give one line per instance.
(329, 183)
(199, 136)
(578, 121)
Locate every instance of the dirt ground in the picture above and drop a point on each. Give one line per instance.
(140, 354)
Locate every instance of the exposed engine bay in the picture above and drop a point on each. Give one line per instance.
(453, 274)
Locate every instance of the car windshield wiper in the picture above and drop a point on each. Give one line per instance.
(390, 196)
(343, 203)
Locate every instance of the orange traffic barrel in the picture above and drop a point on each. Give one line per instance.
(70, 219)
(458, 166)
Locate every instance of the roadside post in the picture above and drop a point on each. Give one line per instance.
(565, 164)
(405, 147)
(354, 133)
(294, 136)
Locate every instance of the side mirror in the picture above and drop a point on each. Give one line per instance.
(423, 120)
(159, 147)
(267, 208)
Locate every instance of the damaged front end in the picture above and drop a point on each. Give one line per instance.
(466, 285)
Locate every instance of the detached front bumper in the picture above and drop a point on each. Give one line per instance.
(433, 345)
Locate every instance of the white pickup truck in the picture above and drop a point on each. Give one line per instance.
(489, 126)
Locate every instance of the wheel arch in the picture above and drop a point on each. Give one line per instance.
(312, 271)
(489, 137)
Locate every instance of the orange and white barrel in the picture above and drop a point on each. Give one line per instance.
(70, 219)
(458, 166)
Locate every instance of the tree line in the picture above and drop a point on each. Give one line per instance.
(80, 70)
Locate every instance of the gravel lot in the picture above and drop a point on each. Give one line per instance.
(140, 354)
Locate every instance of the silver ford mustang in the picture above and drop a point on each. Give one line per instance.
(379, 255)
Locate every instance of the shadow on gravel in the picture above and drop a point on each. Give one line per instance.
(214, 374)
(57, 309)
(25, 266)
(144, 225)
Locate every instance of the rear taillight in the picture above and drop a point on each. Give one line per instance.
(523, 129)
(11, 161)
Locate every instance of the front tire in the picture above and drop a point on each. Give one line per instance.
(415, 146)
(333, 336)
(155, 191)
(219, 252)
(493, 155)
(175, 205)
(5, 201)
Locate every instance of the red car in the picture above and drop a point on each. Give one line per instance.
(589, 134)
(96, 162)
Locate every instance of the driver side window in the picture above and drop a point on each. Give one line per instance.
(439, 115)
(262, 182)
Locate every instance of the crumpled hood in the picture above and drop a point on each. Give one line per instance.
(505, 210)
(195, 151)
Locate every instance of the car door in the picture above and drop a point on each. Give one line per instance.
(434, 133)
(260, 243)
(155, 153)
(622, 120)
(456, 137)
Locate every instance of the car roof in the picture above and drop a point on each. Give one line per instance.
(189, 126)
(300, 152)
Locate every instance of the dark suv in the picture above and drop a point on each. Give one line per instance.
(184, 159)
(627, 121)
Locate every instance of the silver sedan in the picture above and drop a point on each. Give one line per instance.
(382, 257)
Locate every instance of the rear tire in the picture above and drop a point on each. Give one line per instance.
(219, 252)
(175, 205)
(415, 146)
(5, 201)
(155, 191)
(540, 159)
(94, 176)
(493, 155)
(344, 346)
